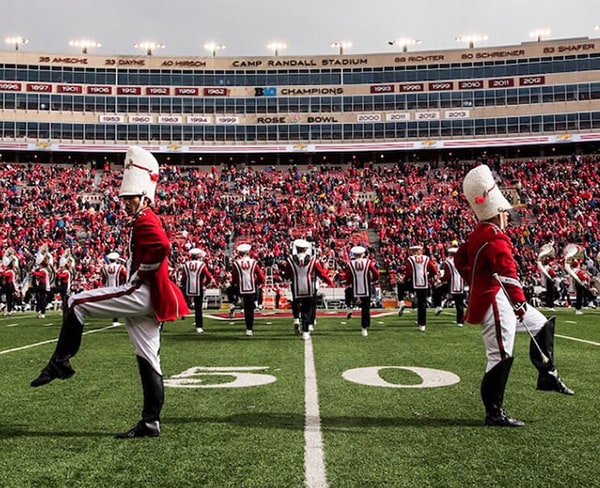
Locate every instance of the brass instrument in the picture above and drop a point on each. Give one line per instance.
(547, 250)
(570, 253)
(10, 258)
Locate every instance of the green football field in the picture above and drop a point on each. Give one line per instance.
(399, 408)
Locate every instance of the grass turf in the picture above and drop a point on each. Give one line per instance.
(62, 434)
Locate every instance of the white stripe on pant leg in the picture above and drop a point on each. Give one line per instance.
(314, 463)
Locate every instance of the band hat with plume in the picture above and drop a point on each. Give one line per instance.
(140, 175)
(113, 256)
(197, 252)
(483, 194)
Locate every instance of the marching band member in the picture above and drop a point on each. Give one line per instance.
(64, 277)
(419, 271)
(454, 284)
(486, 261)
(113, 273)
(248, 276)
(361, 273)
(9, 279)
(195, 276)
(146, 300)
(547, 274)
(43, 277)
(303, 269)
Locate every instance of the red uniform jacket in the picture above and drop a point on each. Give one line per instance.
(488, 250)
(149, 249)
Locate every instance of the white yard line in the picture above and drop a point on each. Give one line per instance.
(578, 340)
(29, 346)
(314, 462)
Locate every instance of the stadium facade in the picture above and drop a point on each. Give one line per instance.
(536, 97)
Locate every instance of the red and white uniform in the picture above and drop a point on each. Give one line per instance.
(114, 274)
(195, 276)
(43, 276)
(247, 274)
(450, 275)
(65, 276)
(360, 274)
(420, 268)
(302, 271)
(148, 298)
(547, 273)
(488, 251)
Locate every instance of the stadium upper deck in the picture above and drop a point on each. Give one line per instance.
(527, 94)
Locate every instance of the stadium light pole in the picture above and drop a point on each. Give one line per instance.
(16, 41)
(276, 46)
(149, 46)
(84, 44)
(404, 42)
(471, 39)
(214, 47)
(340, 46)
(539, 33)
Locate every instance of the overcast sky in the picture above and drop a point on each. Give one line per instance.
(308, 27)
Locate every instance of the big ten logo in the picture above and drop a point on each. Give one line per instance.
(265, 91)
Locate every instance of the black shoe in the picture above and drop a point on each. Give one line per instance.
(500, 419)
(551, 382)
(348, 315)
(55, 369)
(142, 429)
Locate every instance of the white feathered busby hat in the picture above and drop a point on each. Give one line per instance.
(483, 194)
(140, 175)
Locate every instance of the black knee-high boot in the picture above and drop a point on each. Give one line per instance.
(69, 341)
(493, 385)
(548, 378)
(153, 390)
(154, 395)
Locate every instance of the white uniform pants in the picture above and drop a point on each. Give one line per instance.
(131, 302)
(499, 326)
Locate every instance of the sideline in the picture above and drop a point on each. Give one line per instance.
(29, 346)
(314, 463)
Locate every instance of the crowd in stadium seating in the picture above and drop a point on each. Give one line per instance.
(393, 206)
